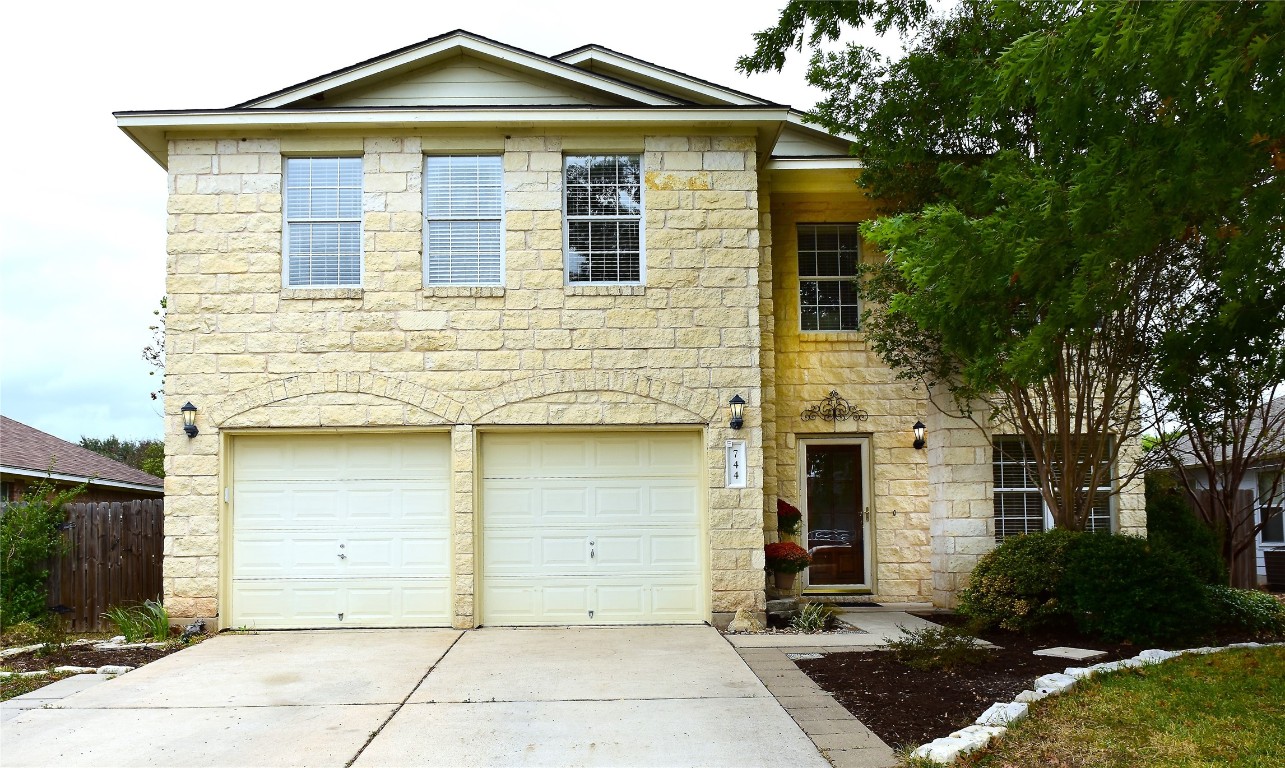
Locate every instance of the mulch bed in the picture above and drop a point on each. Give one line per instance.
(85, 656)
(907, 707)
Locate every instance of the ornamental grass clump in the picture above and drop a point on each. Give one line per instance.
(786, 557)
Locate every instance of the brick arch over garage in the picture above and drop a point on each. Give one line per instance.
(704, 406)
(444, 408)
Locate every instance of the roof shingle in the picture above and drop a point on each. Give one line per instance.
(24, 447)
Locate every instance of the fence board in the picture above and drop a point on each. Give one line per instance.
(113, 557)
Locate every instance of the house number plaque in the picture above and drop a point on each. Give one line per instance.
(736, 464)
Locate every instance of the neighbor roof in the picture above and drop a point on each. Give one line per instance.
(27, 451)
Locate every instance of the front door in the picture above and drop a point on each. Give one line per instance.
(837, 514)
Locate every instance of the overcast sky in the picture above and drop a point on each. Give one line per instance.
(82, 210)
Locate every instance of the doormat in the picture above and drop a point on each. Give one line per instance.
(862, 605)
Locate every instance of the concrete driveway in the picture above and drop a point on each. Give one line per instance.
(628, 696)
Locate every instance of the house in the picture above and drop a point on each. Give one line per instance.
(464, 327)
(28, 456)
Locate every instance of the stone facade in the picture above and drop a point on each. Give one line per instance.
(393, 354)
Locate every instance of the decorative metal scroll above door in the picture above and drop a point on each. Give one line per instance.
(833, 408)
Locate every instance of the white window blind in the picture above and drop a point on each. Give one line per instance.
(1019, 505)
(323, 221)
(463, 203)
(604, 218)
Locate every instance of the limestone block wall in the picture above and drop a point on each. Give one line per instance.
(254, 355)
(805, 367)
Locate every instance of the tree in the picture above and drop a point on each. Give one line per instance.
(147, 455)
(154, 353)
(30, 534)
(1079, 189)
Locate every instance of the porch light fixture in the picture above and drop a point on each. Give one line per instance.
(737, 406)
(919, 434)
(189, 419)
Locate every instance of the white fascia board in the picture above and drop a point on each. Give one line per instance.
(663, 77)
(81, 479)
(149, 129)
(798, 120)
(812, 163)
(473, 46)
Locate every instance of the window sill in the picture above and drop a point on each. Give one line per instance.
(455, 291)
(321, 293)
(606, 290)
(850, 336)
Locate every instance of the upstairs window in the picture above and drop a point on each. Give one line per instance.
(1019, 505)
(603, 210)
(323, 222)
(828, 259)
(463, 204)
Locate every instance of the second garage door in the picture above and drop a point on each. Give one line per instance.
(601, 528)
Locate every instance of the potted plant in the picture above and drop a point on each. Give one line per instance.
(789, 520)
(785, 559)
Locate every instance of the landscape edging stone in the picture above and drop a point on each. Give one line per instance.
(993, 721)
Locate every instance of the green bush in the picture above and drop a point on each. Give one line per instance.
(1015, 585)
(937, 648)
(1126, 588)
(1172, 524)
(30, 534)
(1247, 609)
(147, 621)
(813, 617)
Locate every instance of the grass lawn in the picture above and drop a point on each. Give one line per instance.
(1222, 709)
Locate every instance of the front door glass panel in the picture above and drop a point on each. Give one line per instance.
(835, 519)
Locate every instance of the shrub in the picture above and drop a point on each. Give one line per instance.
(937, 648)
(813, 617)
(1247, 609)
(786, 557)
(1126, 588)
(1172, 524)
(1015, 586)
(30, 534)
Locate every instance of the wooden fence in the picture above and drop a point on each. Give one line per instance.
(113, 558)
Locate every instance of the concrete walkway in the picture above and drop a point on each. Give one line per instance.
(657, 696)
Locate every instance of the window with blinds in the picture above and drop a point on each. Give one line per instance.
(463, 205)
(603, 213)
(323, 222)
(828, 259)
(1019, 505)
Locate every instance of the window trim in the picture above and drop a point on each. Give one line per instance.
(1112, 511)
(286, 285)
(642, 223)
(1275, 503)
(501, 219)
(798, 274)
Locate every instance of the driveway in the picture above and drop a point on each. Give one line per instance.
(629, 696)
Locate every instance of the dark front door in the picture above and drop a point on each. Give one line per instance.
(835, 515)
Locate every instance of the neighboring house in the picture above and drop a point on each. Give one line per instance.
(463, 323)
(28, 456)
(1262, 489)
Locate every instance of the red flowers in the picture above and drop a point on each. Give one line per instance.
(788, 518)
(786, 557)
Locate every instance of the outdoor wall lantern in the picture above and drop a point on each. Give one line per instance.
(737, 406)
(919, 434)
(189, 419)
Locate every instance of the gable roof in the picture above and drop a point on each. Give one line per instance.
(605, 61)
(27, 451)
(451, 44)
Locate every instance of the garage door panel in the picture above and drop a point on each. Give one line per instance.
(572, 600)
(565, 502)
(516, 602)
(301, 501)
(569, 456)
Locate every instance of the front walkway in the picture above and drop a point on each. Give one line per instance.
(657, 696)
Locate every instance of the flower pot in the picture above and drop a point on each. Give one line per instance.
(784, 581)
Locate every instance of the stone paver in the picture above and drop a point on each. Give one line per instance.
(1063, 652)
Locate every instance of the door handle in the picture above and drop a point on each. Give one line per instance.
(342, 556)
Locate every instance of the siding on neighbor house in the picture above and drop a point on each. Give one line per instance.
(393, 354)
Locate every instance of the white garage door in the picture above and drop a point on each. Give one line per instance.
(592, 529)
(340, 531)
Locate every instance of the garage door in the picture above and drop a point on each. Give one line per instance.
(592, 529)
(340, 531)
